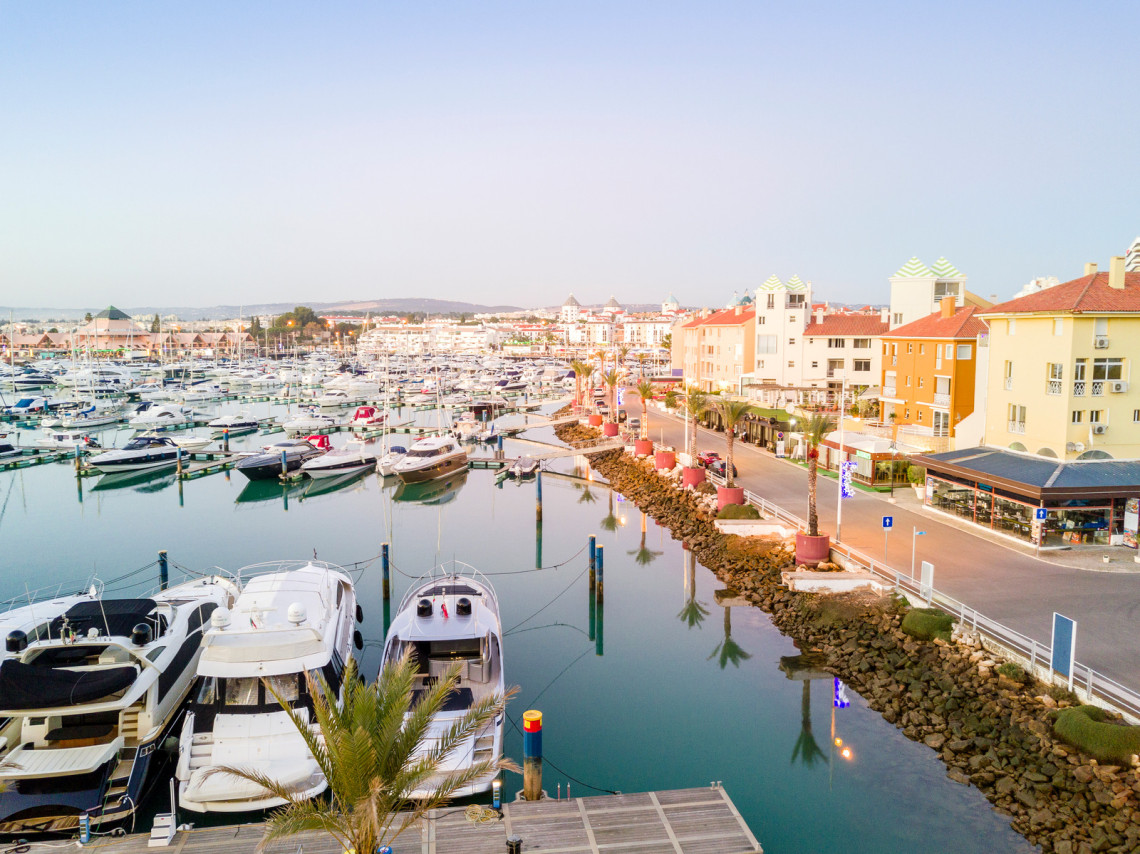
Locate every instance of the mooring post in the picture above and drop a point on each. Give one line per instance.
(284, 464)
(590, 549)
(178, 457)
(499, 447)
(598, 553)
(226, 440)
(77, 455)
(599, 627)
(163, 570)
(532, 755)
(387, 583)
(538, 496)
(593, 612)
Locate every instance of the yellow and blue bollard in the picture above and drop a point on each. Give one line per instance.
(532, 755)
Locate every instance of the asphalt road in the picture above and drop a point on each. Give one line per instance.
(1005, 585)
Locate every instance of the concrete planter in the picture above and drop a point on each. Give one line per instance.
(919, 490)
(642, 447)
(692, 476)
(812, 550)
(595, 420)
(665, 460)
(726, 495)
(609, 429)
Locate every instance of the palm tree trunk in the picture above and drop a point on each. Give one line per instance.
(644, 419)
(730, 435)
(813, 517)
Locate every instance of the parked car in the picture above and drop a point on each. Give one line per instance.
(707, 458)
(717, 468)
(635, 424)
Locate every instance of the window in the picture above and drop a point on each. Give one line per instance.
(791, 318)
(894, 349)
(1136, 414)
(760, 320)
(949, 351)
(1058, 326)
(815, 364)
(791, 364)
(897, 318)
(771, 300)
(965, 351)
(918, 412)
(1108, 369)
(909, 347)
(1016, 418)
(937, 356)
(942, 385)
(906, 413)
(941, 423)
(1013, 326)
(834, 365)
(791, 341)
(1094, 416)
(946, 289)
(862, 365)
(1100, 326)
(861, 343)
(1079, 416)
(921, 381)
(765, 344)
(922, 349)
(836, 343)
(908, 380)
(886, 348)
(1054, 375)
(760, 363)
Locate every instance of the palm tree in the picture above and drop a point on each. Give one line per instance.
(807, 749)
(644, 555)
(642, 358)
(728, 649)
(732, 413)
(696, 405)
(623, 351)
(611, 379)
(610, 522)
(694, 612)
(581, 371)
(815, 429)
(645, 392)
(372, 750)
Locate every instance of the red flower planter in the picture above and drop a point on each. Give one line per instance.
(595, 420)
(726, 495)
(665, 460)
(812, 550)
(692, 476)
(642, 447)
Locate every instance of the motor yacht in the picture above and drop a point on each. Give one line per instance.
(289, 454)
(367, 418)
(292, 620)
(97, 413)
(430, 458)
(87, 703)
(140, 452)
(386, 465)
(186, 443)
(336, 397)
(242, 421)
(307, 421)
(355, 456)
(65, 440)
(450, 618)
(161, 416)
(26, 406)
(8, 449)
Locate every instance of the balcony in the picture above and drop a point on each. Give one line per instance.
(1016, 427)
(941, 399)
(1098, 388)
(1078, 388)
(1053, 387)
(888, 391)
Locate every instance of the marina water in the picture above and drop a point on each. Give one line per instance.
(684, 688)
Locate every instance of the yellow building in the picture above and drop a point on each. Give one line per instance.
(1060, 369)
(717, 348)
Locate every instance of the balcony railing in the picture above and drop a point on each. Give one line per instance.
(888, 391)
(941, 399)
(1053, 387)
(1016, 426)
(1098, 388)
(1078, 388)
(1009, 383)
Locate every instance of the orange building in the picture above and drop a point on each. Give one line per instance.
(717, 348)
(930, 370)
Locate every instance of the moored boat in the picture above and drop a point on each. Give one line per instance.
(430, 458)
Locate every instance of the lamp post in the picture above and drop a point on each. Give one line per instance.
(914, 547)
(894, 453)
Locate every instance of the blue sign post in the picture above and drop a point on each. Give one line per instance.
(888, 523)
(1063, 649)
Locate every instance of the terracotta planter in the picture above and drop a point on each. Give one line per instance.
(692, 476)
(665, 459)
(726, 495)
(812, 550)
(609, 429)
(595, 420)
(642, 447)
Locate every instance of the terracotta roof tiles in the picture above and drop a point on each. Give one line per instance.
(1088, 293)
(838, 325)
(964, 323)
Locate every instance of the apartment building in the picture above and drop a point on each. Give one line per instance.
(718, 347)
(843, 344)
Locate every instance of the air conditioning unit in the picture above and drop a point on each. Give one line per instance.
(1076, 447)
(1100, 342)
(1099, 429)
(1118, 386)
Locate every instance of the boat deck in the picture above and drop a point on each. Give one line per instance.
(680, 821)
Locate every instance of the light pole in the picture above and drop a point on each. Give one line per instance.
(914, 547)
(842, 463)
(894, 453)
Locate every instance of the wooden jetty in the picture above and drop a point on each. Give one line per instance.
(680, 821)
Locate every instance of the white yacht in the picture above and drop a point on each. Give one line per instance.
(140, 452)
(87, 703)
(308, 421)
(163, 415)
(295, 619)
(355, 456)
(386, 465)
(451, 617)
(429, 458)
(64, 440)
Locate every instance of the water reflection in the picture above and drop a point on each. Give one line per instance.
(694, 612)
(147, 480)
(643, 555)
(433, 491)
(806, 668)
(257, 491)
(327, 485)
(728, 651)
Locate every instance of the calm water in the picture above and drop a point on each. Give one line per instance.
(684, 688)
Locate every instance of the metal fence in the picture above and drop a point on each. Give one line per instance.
(1088, 683)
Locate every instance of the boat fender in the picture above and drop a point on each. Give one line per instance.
(423, 608)
(463, 607)
(17, 641)
(359, 613)
(358, 639)
(141, 634)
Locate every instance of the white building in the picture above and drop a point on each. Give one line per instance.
(1132, 257)
(782, 311)
(917, 291)
(843, 344)
(571, 310)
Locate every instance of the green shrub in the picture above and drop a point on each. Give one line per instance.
(1085, 728)
(1062, 694)
(738, 511)
(916, 475)
(1013, 670)
(927, 624)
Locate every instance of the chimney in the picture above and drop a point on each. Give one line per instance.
(948, 307)
(819, 314)
(885, 314)
(1090, 268)
(738, 310)
(1116, 272)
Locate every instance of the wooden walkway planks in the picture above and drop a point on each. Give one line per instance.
(680, 821)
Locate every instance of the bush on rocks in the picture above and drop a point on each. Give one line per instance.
(1088, 729)
(739, 511)
(928, 624)
(1014, 671)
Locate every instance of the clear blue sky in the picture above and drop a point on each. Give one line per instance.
(240, 152)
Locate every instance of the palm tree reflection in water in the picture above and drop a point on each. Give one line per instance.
(805, 669)
(728, 649)
(694, 612)
(644, 555)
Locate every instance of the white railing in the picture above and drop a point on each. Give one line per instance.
(1078, 388)
(1098, 388)
(1016, 426)
(888, 391)
(941, 399)
(1054, 387)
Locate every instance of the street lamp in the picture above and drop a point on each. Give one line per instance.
(914, 547)
(894, 453)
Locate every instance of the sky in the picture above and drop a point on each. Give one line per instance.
(513, 152)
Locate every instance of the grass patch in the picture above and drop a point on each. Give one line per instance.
(738, 511)
(1086, 728)
(927, 624)
(1062, 694)
(1013, 670)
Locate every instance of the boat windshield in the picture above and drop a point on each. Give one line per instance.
(426, 452)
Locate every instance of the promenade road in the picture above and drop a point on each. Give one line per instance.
(1001, 582)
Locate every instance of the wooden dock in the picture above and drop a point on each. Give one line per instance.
(681, 821)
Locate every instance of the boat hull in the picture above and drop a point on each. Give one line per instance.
(434, 471)
(137, 464)
(347, 467)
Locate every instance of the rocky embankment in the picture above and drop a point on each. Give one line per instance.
(991, 732)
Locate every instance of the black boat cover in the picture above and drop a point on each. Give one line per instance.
(113, 617)
(25, 686)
